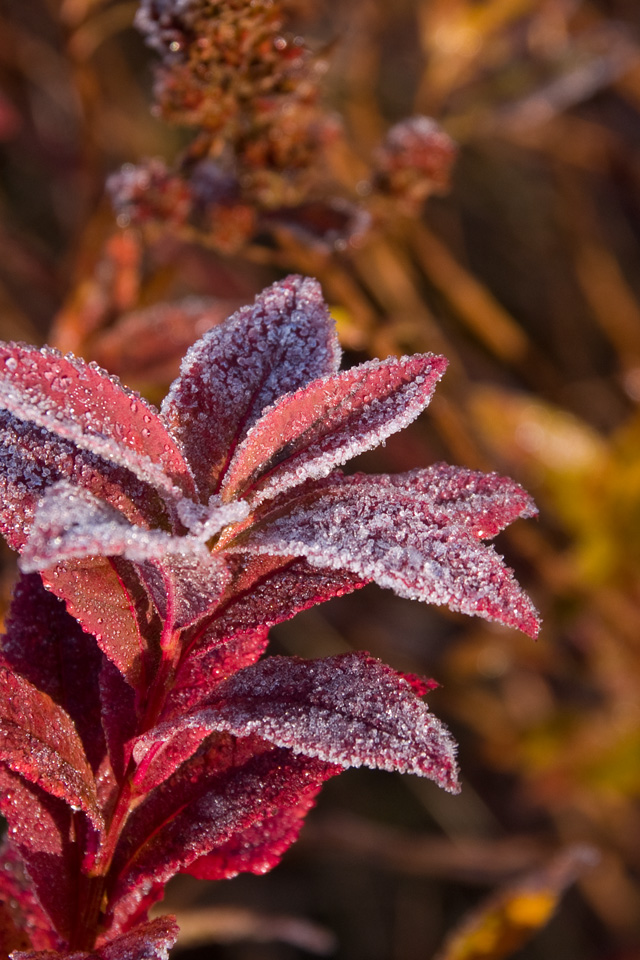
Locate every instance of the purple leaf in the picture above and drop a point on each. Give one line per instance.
(349, 710)
(31, 460)
(278, 345)
(71, 523)
(213, 798)
(382, 532)
(39, 741)
(309, 433)
(79, 402)
(40, 829)
(47, 647)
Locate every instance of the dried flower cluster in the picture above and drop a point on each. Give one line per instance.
(262, 151)
(250, 89)
(414, 161)
(142, 733)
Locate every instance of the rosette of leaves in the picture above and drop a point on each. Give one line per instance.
(142, 733)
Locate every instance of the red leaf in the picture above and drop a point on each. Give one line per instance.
(268, 590)
(39, 741)
(40, 828)
(47, 647)
(102, 597)
(79, 402)
(119, 717)
(260, 847)
(349, 710)
(306, 435)
(279, 344)
(161, 760)
(149, 941)
(200, 673)
(23, 923)
(396, 540)
(213, 798)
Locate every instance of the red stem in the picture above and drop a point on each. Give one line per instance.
(92, 887)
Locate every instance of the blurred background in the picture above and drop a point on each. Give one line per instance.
(283, 146)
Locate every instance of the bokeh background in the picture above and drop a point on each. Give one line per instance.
(521, 263)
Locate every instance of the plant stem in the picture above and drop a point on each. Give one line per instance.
(93, 887)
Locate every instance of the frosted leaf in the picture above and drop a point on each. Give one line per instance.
(350, 710)
(268, 590)
(48, 648)
(307, 434)
(260, 847)
(40, 827)
(281, 343)
(184, 588)
(23, 921)
(80, 403)
(38, 740)
(393, 539)
(148, 941)
(485, 503)
(214, 797)
(31, 460)
(204, 522)
(71, 523)
(201, 672)
(104, 600)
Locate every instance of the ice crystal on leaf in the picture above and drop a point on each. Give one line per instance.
(142, 733)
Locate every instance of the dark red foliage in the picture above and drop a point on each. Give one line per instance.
(142, 733)
(40, 832)
(228, 786)
(23, 922)
(149, 941)
(48, 648)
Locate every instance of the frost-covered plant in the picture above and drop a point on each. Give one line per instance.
(142, 735)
